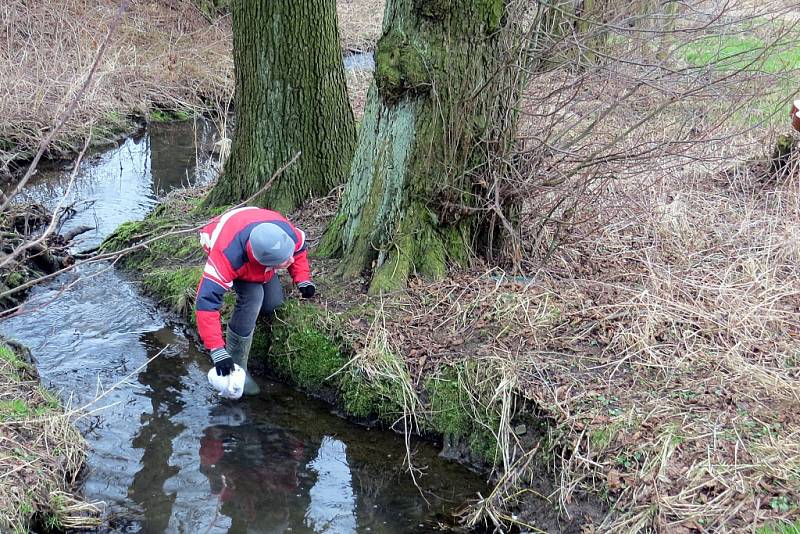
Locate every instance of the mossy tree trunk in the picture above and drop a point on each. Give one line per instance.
(438, 109)
(290, 96)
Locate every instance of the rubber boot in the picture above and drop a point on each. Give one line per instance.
(238, 348)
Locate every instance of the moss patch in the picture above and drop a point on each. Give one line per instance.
(462, 407)
(400, 66)
(301, 352)
(177, 288)
(171, 231)
(492, 11)
(169, 115)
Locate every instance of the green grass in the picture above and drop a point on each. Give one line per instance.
(10, 356)
(793, 528)
(743, 53)
(14, 409)
(18, 409)
(754, 55)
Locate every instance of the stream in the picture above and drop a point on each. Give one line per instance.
(164, 453)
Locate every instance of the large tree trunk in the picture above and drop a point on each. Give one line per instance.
(290, 96)
(438, 109)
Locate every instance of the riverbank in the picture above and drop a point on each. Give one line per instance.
(90, 329)
(42, 453)
(658, 381)
(165, 61)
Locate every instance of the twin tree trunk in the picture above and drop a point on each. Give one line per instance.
(290, 97)
(439, 107)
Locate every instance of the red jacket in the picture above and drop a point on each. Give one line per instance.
(225, 240)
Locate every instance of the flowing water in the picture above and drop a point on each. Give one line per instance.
(361, 61)
(165, 454)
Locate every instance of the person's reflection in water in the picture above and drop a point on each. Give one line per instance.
(157, 432)
(253, 470)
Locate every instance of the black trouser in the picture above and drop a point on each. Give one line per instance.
(253, 298)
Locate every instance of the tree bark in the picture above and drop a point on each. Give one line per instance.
(439, 107)
(290, 96)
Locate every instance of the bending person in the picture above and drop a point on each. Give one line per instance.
(245, 247)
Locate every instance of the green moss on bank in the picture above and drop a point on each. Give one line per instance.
(300, 351)
(171, 234)
(309, 351)
(177, 288)
(169, 115)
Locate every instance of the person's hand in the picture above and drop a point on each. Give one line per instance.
(307, 289)
(222, 361)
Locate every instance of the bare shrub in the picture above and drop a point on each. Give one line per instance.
(639, 195)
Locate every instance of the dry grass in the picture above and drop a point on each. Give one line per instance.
(665, 352)
(164, 54)
(41, 455)
(656, 323)
(680, 336)
(358, 82)
(360, 23)
(160, 56)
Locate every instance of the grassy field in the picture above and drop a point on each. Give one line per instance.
(779, 57)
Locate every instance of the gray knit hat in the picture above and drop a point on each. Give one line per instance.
(271, 244)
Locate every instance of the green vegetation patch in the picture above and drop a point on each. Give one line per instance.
(11, 357)
(176, 288)
(733, 53)
(784, 528)
(167, 239)
(463, 405)
(169, 115)
(400, 66)
(752, 54)
(300, 351)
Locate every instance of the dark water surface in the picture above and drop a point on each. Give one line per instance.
(165, 454)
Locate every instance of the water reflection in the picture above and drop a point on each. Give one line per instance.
(162, 379)
(124, 183)
(254, 471)
(333, 502)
